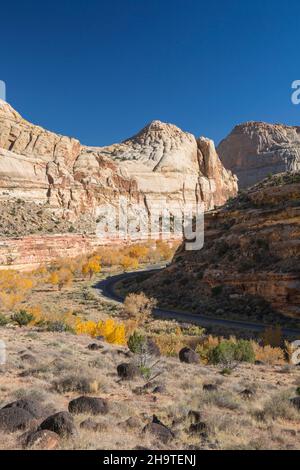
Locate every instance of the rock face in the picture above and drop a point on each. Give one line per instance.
(256, 149)
(72, 180)
(250, 263)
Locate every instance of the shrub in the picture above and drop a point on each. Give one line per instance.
(58, 327)
(217, 290)
(3, 320)
(136, 342)
(22, 318)
(223, 353)
(244, 351)
(139, 306)
(229, 351)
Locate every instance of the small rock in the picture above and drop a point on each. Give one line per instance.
(133, 422)
(198, 428)
(28, 358)
(247, 393)
(296, 402)
(193, 416)
(189, 356)
(95, 347)
(92, 405)
(159, 389)
(62, 423)
(43, 440)
(159, 431)
(127, 371)
(210, 387)
(91, 425)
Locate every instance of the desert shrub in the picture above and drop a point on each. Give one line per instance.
(58, 327)
(228, 351)
(136, 342)
(244, 351)
(139, 307)
(278, 407)
(22, 318)
(217, 290)
(268, 354)
(3, 320)
(223, 353)
(75, 383)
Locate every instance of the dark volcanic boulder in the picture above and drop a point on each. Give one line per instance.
(14, 418)
(189, 356)
(127, 371)
(62, 423)
(296, 402)
(158, 430)
(30, 405)
(95, 347)
(94, 406)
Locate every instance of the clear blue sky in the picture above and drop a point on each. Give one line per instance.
(101, 70)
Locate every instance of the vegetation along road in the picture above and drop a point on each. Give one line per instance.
(107, 289)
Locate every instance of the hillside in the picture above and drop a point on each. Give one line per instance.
(250, 264)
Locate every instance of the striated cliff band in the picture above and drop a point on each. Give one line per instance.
(57, 173)
(256, 149)
(250, 263)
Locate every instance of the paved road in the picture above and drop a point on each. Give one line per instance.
(107, 289)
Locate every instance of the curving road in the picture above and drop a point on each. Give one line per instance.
(107, 289)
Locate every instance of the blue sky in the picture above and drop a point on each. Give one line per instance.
(101, 70)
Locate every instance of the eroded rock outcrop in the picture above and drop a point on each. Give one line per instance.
(256, 149)
(71, 179)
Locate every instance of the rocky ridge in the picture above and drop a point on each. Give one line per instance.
(71, 179)
(254, 150)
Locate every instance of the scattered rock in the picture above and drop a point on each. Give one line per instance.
(133, 422)
(127, 371)
(210, 387)
(62, 423)
(91, 425)
(91, 405)
(159, 431)
(296, 402)
(95, 347)
(198, 428)
(189, 356)
(30, 405)
(28, 358)
(194, 417)
(247, 393)
(159, 389)
(13, 419)
(42, 440)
